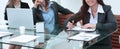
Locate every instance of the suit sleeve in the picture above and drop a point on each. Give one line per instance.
(24, 5)
(74, 18)
(37, 15)
(27, 6)
(34, 15)
(110, 24)
(5, 13)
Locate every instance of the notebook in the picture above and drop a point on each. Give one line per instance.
(23, 38)
(82, 29)
(20, 17)
(84, 36)
(40, 27)
(3, 34)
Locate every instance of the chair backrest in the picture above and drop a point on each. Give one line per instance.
(63, 17)
(115, 36)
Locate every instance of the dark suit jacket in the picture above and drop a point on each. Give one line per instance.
(106, 22)
(56, 8)
(23, 5)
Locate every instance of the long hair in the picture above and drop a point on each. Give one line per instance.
(11, 3)
(46, 2)
(83, 12)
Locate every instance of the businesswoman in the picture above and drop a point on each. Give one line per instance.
(47, 11)
(14, 4)
(95, 14)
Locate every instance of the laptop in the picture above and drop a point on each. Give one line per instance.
(20, 17)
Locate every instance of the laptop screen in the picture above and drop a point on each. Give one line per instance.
(20, 17)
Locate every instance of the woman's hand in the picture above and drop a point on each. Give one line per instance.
(70, 25)
(89, 26)
(37, 2)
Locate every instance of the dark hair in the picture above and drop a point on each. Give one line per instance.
(33, 1)
(83, 12)
(46, 1)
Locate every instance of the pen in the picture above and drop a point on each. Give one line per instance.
(68, 40)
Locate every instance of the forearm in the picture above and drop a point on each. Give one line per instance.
(107, 26)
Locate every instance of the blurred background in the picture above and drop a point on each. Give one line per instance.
(73, 5)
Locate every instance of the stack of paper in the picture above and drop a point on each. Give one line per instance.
(3, 27)
(83, 29)
(2, 34)
(84, 36)
(23, 38)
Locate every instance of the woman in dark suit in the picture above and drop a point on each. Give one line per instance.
(95, 14)
(15, 4)
(47, 11)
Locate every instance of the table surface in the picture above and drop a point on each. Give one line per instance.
(45, 39)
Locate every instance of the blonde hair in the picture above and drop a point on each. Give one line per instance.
(11, 3)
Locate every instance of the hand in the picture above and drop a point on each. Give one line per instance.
(89, 26)
(79, 23)
(37, 2)
(70, 25)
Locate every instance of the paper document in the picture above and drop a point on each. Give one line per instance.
(40, 27)
(2, 34)
(23, 38)
(82, 29)
(3, 27)
(84, 36)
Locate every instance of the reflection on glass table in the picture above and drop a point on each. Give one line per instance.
(58, 41)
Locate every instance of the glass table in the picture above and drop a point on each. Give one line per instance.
(52, 40)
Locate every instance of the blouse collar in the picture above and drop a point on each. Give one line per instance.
(100, 9)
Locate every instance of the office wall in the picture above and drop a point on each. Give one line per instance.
(75, 4)
(115, 5)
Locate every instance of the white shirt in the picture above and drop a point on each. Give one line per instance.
(94, 20)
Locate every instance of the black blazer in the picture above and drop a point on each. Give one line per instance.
(106, 22)
(56, 8)
(23, 5)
